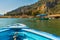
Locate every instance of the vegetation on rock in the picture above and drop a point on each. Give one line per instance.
(42, 6)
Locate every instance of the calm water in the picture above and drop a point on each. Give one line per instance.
(50, 26)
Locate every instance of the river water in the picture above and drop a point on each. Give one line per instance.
(50, 26)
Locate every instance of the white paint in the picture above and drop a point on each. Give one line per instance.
(42, 34)
(4, 30)
(17, 26)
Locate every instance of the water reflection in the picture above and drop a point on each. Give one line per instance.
(51, 26)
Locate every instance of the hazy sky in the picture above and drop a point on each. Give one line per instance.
(8, 5)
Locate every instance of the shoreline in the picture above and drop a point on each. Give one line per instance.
(26, 16)
(16, 16)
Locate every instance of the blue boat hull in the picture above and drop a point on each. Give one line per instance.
(25, 34)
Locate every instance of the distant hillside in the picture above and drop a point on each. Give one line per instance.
(42, 6)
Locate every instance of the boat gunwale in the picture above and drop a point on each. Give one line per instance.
(50, 37)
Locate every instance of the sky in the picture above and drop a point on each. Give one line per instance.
(9, 5)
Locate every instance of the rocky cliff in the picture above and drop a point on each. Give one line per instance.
(42, 6)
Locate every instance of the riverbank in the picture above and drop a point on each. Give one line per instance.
(54, 16)
(25, 16)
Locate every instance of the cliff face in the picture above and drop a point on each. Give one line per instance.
(24, 10)
(42, 6)
(53, 6)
